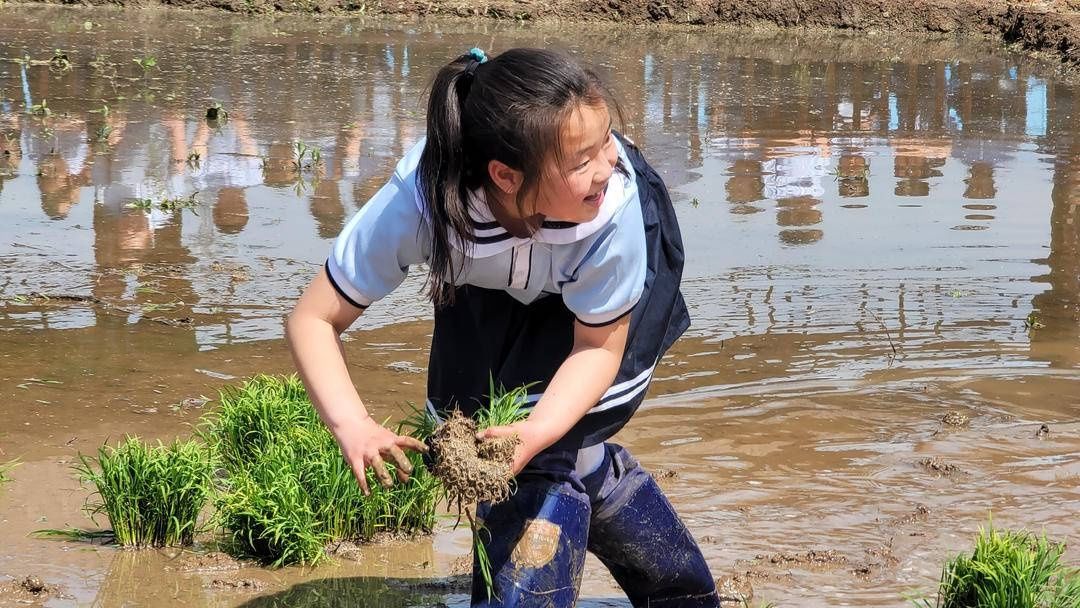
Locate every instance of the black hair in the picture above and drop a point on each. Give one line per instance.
(510, 108)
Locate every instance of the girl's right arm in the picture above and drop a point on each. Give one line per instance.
(313, 332)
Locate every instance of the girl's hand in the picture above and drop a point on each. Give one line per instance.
(366, 443)
(533, 440)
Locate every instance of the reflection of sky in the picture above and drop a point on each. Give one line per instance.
(1035, 123)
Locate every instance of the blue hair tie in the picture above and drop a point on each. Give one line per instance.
(478, 54)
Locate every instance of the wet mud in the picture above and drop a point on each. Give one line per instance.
(871, 223)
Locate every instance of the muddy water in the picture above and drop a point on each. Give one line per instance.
(869, 224)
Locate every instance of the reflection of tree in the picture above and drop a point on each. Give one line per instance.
(746, 183)
(795, 214)
(853, 176)
(1059, 306)
(916, 161)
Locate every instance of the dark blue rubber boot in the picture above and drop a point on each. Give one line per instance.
(637, 534)
(535, 540)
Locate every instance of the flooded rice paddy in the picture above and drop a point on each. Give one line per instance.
(883, 240)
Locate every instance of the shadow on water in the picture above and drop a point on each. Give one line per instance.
(385, 593)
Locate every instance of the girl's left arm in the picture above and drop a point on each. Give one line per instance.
(577, 386)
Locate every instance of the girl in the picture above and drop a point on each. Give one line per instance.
(554, 260)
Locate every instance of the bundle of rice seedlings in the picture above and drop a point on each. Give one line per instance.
(472, 470)
(404, 508)
(268, 514)
(289, 491)
(262, 411)
(479, 471)
(152, 495)
(1008, 570)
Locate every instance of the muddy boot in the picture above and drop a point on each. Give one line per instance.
(637, 534)
(535, 540)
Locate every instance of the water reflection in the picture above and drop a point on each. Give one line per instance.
(870, 172)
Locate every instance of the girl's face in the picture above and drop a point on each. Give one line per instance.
(573, 183)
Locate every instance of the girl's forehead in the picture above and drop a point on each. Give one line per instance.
(584, 127)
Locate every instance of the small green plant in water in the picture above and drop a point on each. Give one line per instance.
(146, 63)
(5, 469)
(1008, 569)
(166, 204)
(152, 495)
(101, 135)
(305, 157)
(1033, 321)
(179, 202)
(41, 109)
(217, 112)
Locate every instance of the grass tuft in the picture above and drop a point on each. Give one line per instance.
(1008, 570)
(152, 495)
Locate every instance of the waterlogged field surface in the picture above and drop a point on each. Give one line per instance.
(880, 232)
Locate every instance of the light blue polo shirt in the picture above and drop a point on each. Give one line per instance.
(598, 267)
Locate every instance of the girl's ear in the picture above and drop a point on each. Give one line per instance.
(506, 179)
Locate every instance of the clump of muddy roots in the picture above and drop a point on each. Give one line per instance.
(472, 470)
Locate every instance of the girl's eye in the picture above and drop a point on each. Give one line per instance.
(581, 166)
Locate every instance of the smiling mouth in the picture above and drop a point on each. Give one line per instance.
(596, 199)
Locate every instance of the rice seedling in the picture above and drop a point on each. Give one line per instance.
(179, 202)
(504, 407)
(217, 112)
(101, 135)
(5, 469)
(152, 495)
(288, 490)
(407, 508)
(1008, 569)
(146, 63)
(41, 109)
(266, 512)
(306, 157)
(260, 412)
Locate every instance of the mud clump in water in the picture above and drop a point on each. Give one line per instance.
(735, 589)
(30, 589)
(955, 418)
(205, 562)
(471, 470)
(812, 558)
(940, 468)
(243, 584)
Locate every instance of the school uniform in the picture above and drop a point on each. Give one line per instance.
(511, 322)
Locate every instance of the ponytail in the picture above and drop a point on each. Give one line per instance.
(442, 174)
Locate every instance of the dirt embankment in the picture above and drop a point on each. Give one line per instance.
(1047, 26)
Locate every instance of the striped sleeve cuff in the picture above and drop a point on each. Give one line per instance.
(605, 319)
(343, 287)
